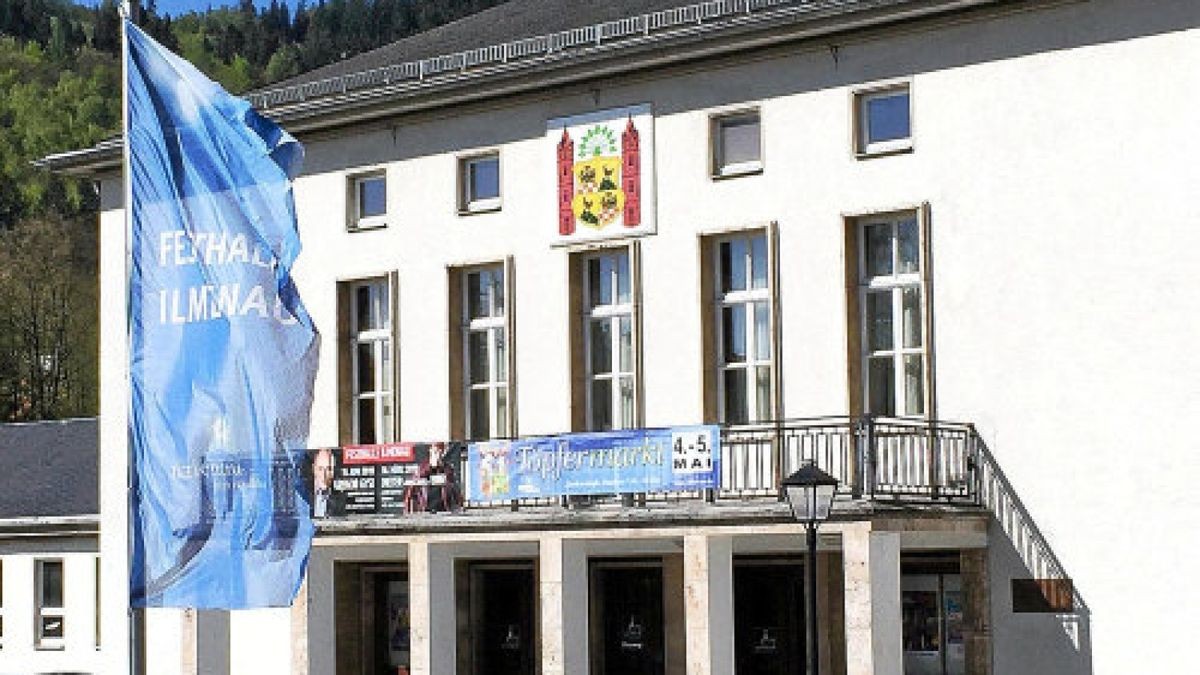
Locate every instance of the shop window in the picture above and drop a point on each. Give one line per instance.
(741, 282)
(893, 315)
(368, 371)
(736, 144)
(481, 400)
(367, 196)
(479, 183)
(883, 120)
(50, 619)
(608, 336)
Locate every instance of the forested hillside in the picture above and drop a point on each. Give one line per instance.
(60, 90)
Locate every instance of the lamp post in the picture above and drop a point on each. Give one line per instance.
(810, 493)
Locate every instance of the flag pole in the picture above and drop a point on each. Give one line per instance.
(133, 660)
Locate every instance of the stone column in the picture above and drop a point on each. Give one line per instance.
(708, 603)
(299, 632)
(563, 593)
(431, 597)
(977, 632)
(871, 563)
(204, 642)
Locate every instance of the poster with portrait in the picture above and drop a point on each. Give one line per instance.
(389, 478)
(605, 174)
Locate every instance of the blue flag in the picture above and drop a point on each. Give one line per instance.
(223, 353)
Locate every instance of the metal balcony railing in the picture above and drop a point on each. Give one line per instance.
(875, 459)
(898, 460)
(872, 458)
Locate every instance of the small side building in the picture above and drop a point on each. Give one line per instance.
(49, 547)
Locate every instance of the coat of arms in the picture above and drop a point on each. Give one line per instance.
(601, 167)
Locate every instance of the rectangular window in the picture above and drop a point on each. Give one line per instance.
(893, 315)
(485, 352)
(609, 337)
(1, 603)
(743, 289)
(367, 197)
(479, 183)
(371, 357)
(736, 144)
(883, 120)
(50, 620)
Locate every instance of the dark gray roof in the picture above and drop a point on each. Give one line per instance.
(507, 22)
(49, 469)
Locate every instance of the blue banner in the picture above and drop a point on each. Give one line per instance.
(601, 463)
(222, 351)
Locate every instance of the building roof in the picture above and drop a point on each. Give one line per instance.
(509, 21)
(526, 45)
(50, 469)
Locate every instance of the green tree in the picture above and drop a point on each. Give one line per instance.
(48, 336)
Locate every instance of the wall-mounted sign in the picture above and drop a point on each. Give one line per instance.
(388, 478)
(605, 174)
(612, 462)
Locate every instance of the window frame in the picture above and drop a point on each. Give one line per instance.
(612, 313)
(861, 283)
(3, 585)
(42, 611)
(747, 298)
(96, 599)
(718, 169)
(493, 325)
(467, 205)
(860, 98)
(355, 221)
(384, 355)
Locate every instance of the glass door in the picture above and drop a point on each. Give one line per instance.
(627, 628)
(768, 601)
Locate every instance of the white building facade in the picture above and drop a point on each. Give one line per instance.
(852, 222)
(49, 548)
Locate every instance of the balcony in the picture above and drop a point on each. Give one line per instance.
(881, 463)
(875, 459)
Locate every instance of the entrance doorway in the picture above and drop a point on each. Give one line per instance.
(932, 601)
(385, 620)
(627, 617)
(503, 614)
(768, 601)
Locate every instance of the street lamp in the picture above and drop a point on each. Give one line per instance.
(810, 493)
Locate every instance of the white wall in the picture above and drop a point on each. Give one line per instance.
(1056, 151)
(114, 431)
(79, 652)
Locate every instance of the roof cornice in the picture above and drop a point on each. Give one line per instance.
(49, 526)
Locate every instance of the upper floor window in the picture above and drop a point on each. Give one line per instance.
(883, 120)
(479, 183)
(372, 355)
(609, 332)
(745, 355)
(50, 620)
(892, 298)
(736, 144)
(367, 196)
(485, 352)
